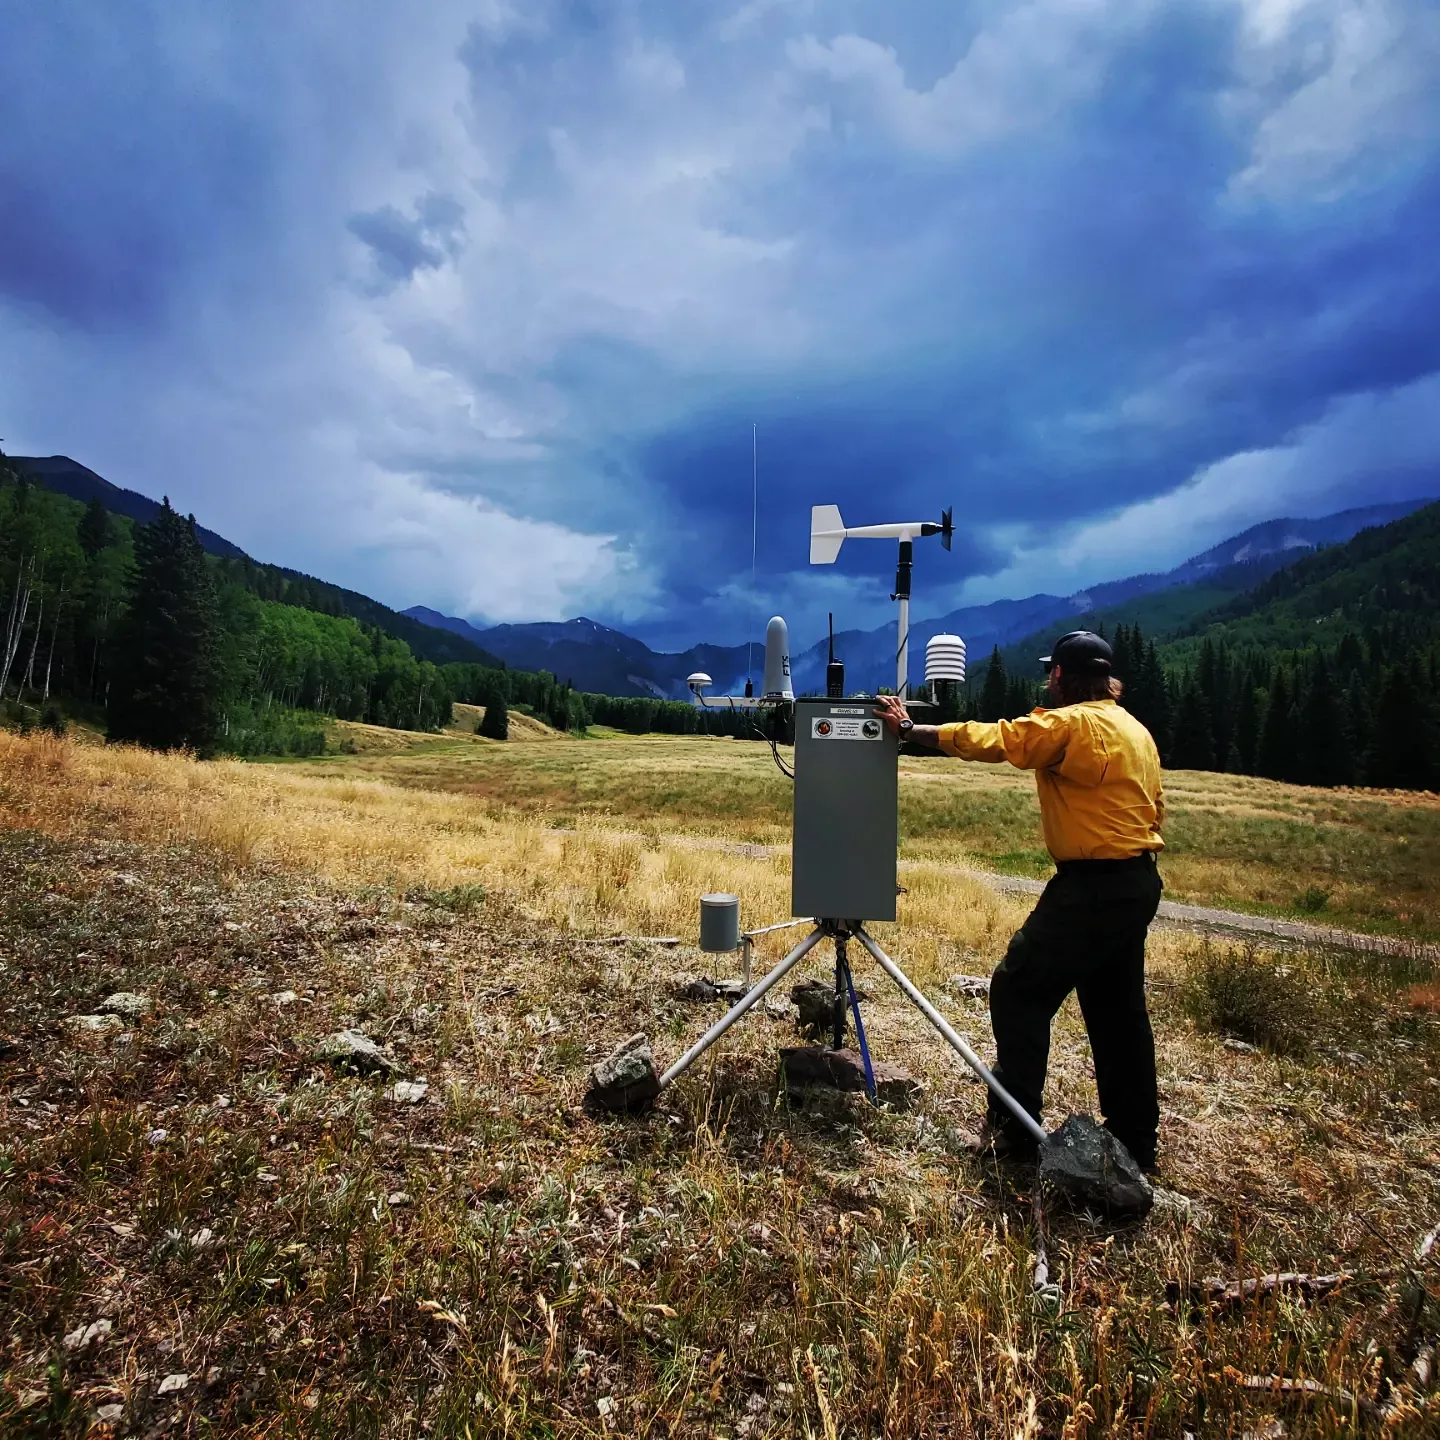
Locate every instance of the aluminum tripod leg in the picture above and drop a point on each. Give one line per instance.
(746, 1002)
(954, 1040)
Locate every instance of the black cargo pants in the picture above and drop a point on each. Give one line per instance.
(1086, 934)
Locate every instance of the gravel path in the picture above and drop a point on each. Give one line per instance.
(1236, 922)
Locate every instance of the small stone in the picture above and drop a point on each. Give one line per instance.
(703, 990)
(75, 1338)
(283, 997)
(409, 1092)
(202, 1239)
(156, 1137)
(1085, 1164)
(972, 987)
(351, 1050)
(109, 1414)
(1243, 1047)
(625, 1079)
(397, 1199)
(128, 1004)
(1171, 1202)
(809, 1066)
(605, 1404)
(815, 1002)
(94, 1024)
(223, 1102)
(171, 1384)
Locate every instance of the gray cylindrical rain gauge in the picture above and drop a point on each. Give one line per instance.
(719, 923)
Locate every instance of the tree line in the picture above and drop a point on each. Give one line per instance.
(1359, 711)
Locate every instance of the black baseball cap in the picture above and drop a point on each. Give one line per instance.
(1081, 650)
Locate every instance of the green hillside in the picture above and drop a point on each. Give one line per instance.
(290, 587)
(1324, 673)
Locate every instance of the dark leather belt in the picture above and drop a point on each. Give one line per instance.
(1104, 867)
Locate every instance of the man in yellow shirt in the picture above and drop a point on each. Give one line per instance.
(1098, 776)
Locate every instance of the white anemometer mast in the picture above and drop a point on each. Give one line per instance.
(828, 532)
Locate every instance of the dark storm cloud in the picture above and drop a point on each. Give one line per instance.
(402, 246)
(1114, 280)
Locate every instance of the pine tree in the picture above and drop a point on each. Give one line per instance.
(95, 531)
(1273, 758)
(1321, 755)
(168, 689)
(495, 722)
(1147, 698)
(1019, 697)
(1194, 747)
(1400, 743)
(993, 694)
(1246, 742)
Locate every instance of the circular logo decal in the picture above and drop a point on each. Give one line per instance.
(871, 729)
(823, 727)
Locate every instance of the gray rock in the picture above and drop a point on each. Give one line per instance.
(971, 987)
(350, 1050)
(1087, 1166)
(128, 1004)
(815, 1001)
(812, 1066)
(625, 1079)
(94, 1024)
(409, 1092)
(702, 989)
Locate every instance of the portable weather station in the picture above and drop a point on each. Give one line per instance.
(845, 835)
(843, 874)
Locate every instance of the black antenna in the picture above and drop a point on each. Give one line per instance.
(834, 670)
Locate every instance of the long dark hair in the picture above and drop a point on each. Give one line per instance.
(1078, 686)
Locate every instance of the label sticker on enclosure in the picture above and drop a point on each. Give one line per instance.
(843, 710)
(838, 727)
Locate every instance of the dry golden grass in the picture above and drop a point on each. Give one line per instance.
(493, 1262)
(1365, 860)
(595, 876)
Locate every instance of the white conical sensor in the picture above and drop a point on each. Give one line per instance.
(777, 661)
(945, 658)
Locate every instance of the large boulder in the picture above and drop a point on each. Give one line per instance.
(1087, 1166)
(626, 1078)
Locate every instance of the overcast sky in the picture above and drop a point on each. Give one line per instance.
(475, 305)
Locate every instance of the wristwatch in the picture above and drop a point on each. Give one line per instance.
(905, 727)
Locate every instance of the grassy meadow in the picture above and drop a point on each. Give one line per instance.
(1355, 859)
(206, 1230)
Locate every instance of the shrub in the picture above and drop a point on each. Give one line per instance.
(1240, 991)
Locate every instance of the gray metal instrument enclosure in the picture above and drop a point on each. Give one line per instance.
(847, 828)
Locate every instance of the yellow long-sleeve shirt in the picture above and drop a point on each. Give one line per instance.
(1096, 769)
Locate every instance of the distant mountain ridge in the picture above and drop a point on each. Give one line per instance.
(1210, 578)
(598, 659)
(69, 477)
